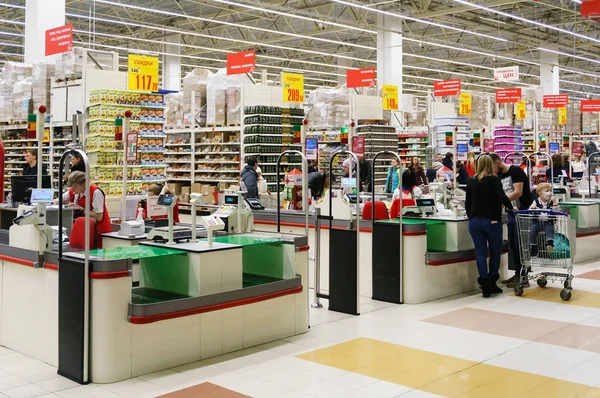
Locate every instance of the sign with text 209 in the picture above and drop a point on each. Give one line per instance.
(142, 73)
(389, 94)
(293, 87)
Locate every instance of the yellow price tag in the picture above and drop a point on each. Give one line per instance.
(389, 95)
(521, 110)
(562, 115)
(142, 73)
(46, 136)
(465, 104)
(293, 87)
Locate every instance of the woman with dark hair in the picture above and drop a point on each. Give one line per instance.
(77, 163)
(318, 183)
(557, 167)
(417, 169)
(156, 190)
(409, 189)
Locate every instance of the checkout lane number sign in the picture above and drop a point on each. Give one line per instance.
(311, 148)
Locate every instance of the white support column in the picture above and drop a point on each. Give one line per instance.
(171, 65)
(549, 73)
(389, 57)
(343, 62)
(41, 15)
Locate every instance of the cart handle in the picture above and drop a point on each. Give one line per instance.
(541, 211)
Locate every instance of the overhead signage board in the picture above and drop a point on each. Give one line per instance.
(364, 77)
(443, 88)
(508, 95)
(293, 87)
(556, 101)
(240, 63)
(508, 74)
(590, 106)
(59, 40)
(465, 104)
(142, 73)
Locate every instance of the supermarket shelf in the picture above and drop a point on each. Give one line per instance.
(137, 121)
(217, 162)
(13, 127)
(179, 179)
(216, 143)
(129, 106)
(218, 171)
(128, 180)
(179, 144)
(235, 153)
(19, 140)
(150, 150)
(214, 180)
(179, 170)
(105, 151)
(151, 136)
(178, 153)
(178, 161)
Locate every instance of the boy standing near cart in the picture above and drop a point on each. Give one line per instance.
(516, 186)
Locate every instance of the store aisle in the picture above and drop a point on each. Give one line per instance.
(463, 346)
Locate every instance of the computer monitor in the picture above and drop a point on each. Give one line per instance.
(43, 196)
(22, 185)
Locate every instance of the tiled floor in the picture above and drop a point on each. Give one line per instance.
(462, 346)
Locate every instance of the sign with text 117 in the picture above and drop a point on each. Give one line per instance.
(293, 87)
(142, 73)
(389, 95)
(465, 104)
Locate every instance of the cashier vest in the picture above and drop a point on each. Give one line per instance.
(104, 225)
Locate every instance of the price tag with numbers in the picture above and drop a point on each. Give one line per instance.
(293, 87)
(142, 74)
(389, 94)
(465, 104)
(562, 115)
(521, 110)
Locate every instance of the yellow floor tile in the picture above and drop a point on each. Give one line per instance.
(551, 294)
(441, 374)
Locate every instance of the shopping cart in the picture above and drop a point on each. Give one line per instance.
(536, 253)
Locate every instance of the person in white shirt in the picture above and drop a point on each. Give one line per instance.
(578, 167)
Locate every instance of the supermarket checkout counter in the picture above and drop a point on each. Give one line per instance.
(586, 219)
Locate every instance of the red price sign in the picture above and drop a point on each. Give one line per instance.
(446, 87)
(577, 148)
(488, 145)
(244, 62)
(590, 106)
(556, 101)
(508, 95)
(358, 146)
(364, 77)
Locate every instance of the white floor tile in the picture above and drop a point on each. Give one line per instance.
(295, 381)
(9, 382)
(351, 380)
(384, 389)
(26, 391)
(57, 384)
(325, 389)
(171, 379)
(35, 376)
(419, 394)
(87, 391)
(586, 373)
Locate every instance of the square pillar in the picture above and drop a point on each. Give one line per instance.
(389, 57)
(549, 73)
(171, 65)
(41, 15)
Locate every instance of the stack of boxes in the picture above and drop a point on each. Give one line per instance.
(209, 192)
(331, 109)
(194, 91)
(589, 123)
(15, 92)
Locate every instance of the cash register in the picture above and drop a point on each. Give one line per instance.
(423, 208)
(170, 234)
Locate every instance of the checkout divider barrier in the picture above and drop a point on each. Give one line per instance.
(592, 156)
(387, 275)
(74, 292)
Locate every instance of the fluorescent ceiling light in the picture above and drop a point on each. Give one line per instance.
(234, 25)
(595, 61)
(439, 25)
(529, 21)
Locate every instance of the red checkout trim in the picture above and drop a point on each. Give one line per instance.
(455, 260)
(311, 226)
(586, 234)
(52, 267)
(109, 275)
(303, 248)
(16, 260)
(142, 320)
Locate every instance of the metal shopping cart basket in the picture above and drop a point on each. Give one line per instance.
(536, 252)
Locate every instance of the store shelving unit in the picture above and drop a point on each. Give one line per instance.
(106, 154)
(507, 139)
(447, 125)
(217, 154)
(413, 142)
(379, 136)
(330, 141)
(269, 131)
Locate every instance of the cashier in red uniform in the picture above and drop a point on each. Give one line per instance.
(75, 198)
(156, 190)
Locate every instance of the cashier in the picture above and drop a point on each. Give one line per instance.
(156, 190)
(75, 198)
(318, 183)
(31, 165)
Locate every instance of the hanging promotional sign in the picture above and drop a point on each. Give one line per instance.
(239, 63)
(142, 73)
(508, 95)
(554, 147)
(508, 74)
(465, 104)
(488, 145)
(312, 150)
(562, 115)
(358, 146)
(132, 147)
(364, 77)
(293, 87)
(577, 148)
(59, 40)
(521, 111)
(389, 95)
(446, 87)
(590, 106)
(556, 101)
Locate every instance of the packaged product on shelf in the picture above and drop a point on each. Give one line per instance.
(174, 110)
(234, 105)
(194, 84)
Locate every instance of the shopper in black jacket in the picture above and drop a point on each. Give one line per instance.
(485, 198)
(249, 177)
